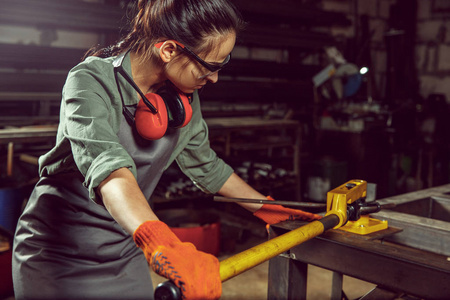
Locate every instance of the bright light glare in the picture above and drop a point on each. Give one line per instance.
(363, 70)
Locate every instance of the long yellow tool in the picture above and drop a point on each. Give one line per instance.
(338, 202)
(256, 255)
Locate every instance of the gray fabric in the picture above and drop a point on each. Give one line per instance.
(68, 247)
(150, 157)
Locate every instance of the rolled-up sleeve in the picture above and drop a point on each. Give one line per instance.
(198, 161)
(90, 124)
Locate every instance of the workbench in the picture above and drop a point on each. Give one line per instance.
(29, 134)
(226, 129)
(373, 258)
(22, 136)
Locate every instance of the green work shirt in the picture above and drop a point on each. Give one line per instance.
(87, 138)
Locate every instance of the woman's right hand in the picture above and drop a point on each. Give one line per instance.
(194, 272)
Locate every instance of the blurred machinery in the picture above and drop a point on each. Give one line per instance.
(174, 185)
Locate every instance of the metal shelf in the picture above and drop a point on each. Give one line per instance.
(67, 14)
(229, 130)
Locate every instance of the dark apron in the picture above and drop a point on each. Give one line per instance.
(68, 247)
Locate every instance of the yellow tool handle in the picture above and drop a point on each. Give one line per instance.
(256, 255)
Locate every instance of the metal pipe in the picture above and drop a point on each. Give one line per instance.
(274, 202)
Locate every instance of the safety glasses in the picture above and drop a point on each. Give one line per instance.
(212, 67)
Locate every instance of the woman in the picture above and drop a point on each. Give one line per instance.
(77, 237)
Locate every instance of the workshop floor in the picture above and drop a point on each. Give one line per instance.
(252, 284)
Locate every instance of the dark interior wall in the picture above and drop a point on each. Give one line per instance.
(289, 26)
(271, 73)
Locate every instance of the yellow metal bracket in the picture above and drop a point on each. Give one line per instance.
(365, 225)
(338, 201)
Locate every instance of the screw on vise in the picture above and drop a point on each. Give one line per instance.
(360, 207)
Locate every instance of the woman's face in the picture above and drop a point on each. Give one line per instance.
(189, 75)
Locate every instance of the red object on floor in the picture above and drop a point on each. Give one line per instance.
(201, 228)
(206, 238)
(6, 283)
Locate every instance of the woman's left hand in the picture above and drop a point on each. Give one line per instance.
(272, 214)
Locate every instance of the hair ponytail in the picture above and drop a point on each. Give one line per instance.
(190, 22)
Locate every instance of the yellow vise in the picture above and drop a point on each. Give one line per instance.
(346, 201)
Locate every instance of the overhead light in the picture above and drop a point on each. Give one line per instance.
(363, 70)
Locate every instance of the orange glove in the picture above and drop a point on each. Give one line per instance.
(196, 273)
(272, 214)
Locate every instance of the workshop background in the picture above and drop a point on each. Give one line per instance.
(318, 92)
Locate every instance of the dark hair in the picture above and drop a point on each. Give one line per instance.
(195, 23)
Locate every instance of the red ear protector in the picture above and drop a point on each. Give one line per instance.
(155, 112)
(173, 109)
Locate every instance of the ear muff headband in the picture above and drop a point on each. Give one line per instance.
(178, 105)
(187, 109)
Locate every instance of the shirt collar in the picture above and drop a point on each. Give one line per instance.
(123, 63)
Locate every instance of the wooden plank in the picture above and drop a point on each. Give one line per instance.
(231, 91)
(42, 82)
(270, 69)
(289, 12)
(30, 96)
(39, 57)
(28, 134)
(67, 14)
(43, 57)
(249, 122)
(288, 38)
